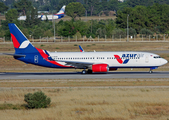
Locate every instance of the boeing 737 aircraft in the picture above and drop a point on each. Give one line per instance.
(59, 15)
(90, 62)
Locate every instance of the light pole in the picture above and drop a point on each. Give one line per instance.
(127, 29)
(54, 30)
(53, 26)
(86, 15)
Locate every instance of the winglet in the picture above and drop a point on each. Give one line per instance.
(81, 49)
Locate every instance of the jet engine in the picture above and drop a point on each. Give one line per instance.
(100, 68)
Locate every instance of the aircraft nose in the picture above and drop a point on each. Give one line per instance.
(164, 61)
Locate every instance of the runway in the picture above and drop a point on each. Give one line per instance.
(78, 75)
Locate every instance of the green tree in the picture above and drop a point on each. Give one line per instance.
(11, 15)
(32, 17)
(90, 5)
(121, 19)
(37, 100)
(67, 29)
(133, 3)
(64, 2)
(53, 4)
(23, 6)
(119, 33)
(3, 7)
(75, 9)
(101, 32)
(37, 32)
(145, 32)
(113, 5)
(132, 32)
(81, 27)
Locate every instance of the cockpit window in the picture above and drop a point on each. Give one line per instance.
(157, 57)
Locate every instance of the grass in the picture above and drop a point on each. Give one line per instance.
(124, 46)
(42, 45)
(85, 83)
(92, 104)
(11, 106)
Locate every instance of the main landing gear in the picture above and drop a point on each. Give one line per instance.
(83, 71)
(87, 72)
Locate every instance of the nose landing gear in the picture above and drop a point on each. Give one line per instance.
(150, 71)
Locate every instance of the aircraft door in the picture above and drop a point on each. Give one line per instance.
(147, 59)
(36, 58)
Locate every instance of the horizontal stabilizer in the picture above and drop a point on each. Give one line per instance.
(17, 55)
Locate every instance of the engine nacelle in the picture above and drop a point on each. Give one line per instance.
(100, 68)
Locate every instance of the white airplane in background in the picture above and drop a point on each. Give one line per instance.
(92, 61)
(59, 15)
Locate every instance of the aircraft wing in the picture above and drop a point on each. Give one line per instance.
(78, 64)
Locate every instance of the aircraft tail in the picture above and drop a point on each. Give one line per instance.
(61, 13)
(21, 43)
(62, 10)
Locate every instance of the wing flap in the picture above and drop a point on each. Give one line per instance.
(77, 64)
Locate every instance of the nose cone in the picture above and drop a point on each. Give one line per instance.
(164, 61)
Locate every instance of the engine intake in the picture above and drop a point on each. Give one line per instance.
(100, 68)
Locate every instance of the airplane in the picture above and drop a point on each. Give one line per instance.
(59, 15)
(89, 62)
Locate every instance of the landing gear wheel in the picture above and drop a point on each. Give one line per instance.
(83, 71)
(150, 71)
(89, 72)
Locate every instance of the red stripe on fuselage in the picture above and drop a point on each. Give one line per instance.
(118, 59)
(15, 41)
(59, 13)
(45, 56)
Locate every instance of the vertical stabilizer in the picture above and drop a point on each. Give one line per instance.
(62, 10)
(81, 49)
(21, 43)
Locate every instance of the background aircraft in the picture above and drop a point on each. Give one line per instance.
(59, 15)
(92, 61)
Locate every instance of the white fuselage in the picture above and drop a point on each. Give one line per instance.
(112, 59)
(49, 17)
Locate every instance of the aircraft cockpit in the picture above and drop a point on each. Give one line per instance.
(157, 57)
